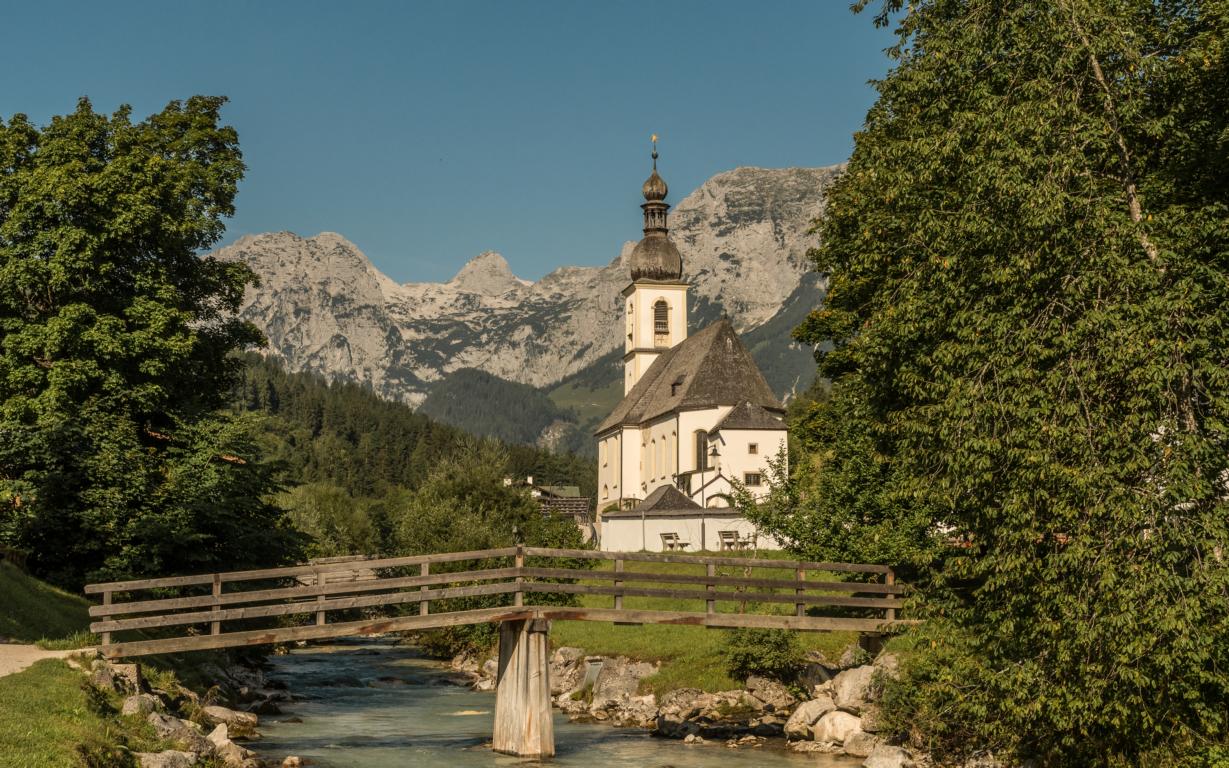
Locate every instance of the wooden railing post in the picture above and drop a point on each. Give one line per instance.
(618, 584)
(106, 600)
(424, 570)
(890, 579)
(799, 608)
(320, 597)
(519, 597)
(215, 627)
(710, 605)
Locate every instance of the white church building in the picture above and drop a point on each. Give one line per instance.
(696, 414)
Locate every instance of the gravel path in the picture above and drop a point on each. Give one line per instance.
(14, 658)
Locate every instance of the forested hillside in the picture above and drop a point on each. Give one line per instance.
(344, 434)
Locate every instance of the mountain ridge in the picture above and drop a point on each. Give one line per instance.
(325, 308)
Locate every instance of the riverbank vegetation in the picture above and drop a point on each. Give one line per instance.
(33, 611)
(1024, 333)
(690, 657)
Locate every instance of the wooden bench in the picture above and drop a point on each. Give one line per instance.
(729, 540)
(670, 542)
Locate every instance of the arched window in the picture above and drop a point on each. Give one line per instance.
(605, 492)
(661, 323)
(653, 458)
(603, 452)
(661, 458)
(701, 449)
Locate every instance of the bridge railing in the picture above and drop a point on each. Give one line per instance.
(294, 603)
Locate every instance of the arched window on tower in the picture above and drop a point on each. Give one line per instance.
(661, 323)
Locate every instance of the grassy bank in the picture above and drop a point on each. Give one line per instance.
(691, 657)
(51, 718)
(33, 611)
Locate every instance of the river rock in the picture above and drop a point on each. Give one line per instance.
(884, 756)
(186, 734)
(852, 689)
(889, 663)
(774, 695)
(806, 715)
(566, 670)
(836, 726)
(230, 753)
(171, 758)
(860, 743)
(140, 704)
(234, 720)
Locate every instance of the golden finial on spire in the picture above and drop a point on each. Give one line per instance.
(654, 151)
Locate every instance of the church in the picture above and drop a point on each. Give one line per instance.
(696, 415)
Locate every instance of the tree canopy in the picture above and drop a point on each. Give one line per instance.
(1026, 331)
(114, 343)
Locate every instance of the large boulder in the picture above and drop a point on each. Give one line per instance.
(836, 726)
(171, 758)
(852, 689)
(238, 723)
(798, 726)
(872, 720)
(140, 704)
(182, 732)
(884, 756)
(860, 743)
(775, 696)
(231, 754)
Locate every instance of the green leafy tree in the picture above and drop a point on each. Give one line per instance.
(1029, 317)
(114, 336)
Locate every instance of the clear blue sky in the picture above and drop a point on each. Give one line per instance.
(428, 132)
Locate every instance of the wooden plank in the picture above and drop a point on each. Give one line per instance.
(721, 620)
(730, 581)
(215, 627)
(424, 607)
(312, 632)
(710, 605)
(522, 722)
(289, 609)
(519, 597)
(618, 583)
(890, 579)
(297, 570)
(710, 596)
(745, 562)
(269, 595)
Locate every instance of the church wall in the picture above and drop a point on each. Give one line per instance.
(737, 460)
(689, 422)
(629, 486)
(631, 534)
(609, 470)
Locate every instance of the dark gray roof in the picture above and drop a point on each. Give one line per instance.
(747, 415)
(708, 369)
(664, 499)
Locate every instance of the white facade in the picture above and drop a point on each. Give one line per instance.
(631, 533)
(655, 319)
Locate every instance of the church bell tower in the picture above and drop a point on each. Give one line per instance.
(655, 304)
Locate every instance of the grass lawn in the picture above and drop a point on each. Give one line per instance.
(49, 719)
(31, 610)
(691, 656)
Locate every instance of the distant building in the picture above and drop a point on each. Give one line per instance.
(562, 501)
(696, 414)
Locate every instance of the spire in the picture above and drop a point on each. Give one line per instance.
(655, 257)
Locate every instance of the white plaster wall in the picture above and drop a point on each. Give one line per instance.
(629, 487)
(610, 461)
(736, 459)
(689, 422)
(631, 534)
(638, 326)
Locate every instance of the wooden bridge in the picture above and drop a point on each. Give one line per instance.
(521, 588)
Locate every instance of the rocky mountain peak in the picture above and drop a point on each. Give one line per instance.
(488, 274)
(324, 307)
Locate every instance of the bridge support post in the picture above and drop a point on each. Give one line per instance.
(523, 724)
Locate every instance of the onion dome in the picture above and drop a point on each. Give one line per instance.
(656, 257)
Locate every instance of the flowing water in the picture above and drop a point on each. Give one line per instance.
(377, 705)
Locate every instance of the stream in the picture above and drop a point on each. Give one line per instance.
(377, 705)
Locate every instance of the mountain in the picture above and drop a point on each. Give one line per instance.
(743, 236)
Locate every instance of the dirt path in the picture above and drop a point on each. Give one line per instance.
(14, 658)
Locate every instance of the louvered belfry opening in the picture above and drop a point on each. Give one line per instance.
(661, 323)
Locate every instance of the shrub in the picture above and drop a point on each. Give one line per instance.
(773, 653)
